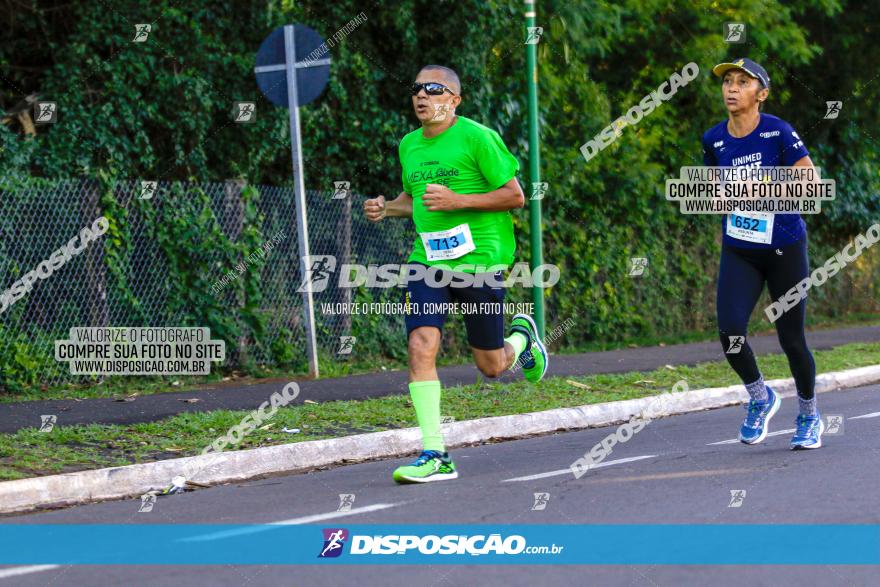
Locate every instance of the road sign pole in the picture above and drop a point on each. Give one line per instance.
(534, 165)
(302, 225)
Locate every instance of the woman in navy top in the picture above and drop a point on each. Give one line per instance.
(759, 248)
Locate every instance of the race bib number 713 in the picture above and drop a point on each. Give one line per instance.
(448, 244)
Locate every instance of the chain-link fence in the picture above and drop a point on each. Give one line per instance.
(222, 255)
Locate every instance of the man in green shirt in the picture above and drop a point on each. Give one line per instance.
(459, 185)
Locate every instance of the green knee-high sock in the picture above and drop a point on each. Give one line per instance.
(426, 400)
(518, 341)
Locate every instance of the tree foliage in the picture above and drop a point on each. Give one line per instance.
(162, 110)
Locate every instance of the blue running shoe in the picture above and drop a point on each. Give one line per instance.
(809, 432)
(754, 428)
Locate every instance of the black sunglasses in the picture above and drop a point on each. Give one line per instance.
(431, 88)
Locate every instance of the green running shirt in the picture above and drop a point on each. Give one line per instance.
(468, 158)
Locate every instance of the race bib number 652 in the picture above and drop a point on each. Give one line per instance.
(755, 227)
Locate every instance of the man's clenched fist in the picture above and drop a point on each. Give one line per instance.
(438, 197)
(375, 209)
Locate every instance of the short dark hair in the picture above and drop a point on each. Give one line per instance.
(449, 73)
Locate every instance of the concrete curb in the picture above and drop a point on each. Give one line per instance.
(213, 468)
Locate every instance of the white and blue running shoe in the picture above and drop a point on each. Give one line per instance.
(809, 432)
(754, 428)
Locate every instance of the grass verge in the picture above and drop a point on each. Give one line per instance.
(29, 453)
(120, 387)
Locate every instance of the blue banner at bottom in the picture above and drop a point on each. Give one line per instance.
(276, 544)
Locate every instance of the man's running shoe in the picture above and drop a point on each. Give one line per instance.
(534, 359)
(809, 432)
(758, 414)
(431, 465)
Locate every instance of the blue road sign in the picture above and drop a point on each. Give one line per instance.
(293, 66)
(312, 65)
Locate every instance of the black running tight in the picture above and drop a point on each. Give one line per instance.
(740, 282)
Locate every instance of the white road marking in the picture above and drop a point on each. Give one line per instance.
(871, 415)
(16, 571)
(568, 471)
(736, 440)
(293, 521)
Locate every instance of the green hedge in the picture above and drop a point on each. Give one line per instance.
(160, 110)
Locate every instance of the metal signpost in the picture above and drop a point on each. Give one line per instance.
(534, 161)
(291, 83)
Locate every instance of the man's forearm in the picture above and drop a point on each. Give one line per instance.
(504, 198)
(401, 206)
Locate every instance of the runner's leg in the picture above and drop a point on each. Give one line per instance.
(424, 326)
(484, 322)
(740, 282)
(786, 271)
(424, 387)
(492, 352)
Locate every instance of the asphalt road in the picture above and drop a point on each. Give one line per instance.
(680, 469)
(149, 408)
